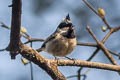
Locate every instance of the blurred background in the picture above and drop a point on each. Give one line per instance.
(41, 18)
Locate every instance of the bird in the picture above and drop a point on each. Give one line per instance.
(63, 41)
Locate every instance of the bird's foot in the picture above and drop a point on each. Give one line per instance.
(56, 59)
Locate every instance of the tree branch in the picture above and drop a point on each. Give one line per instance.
(50, 65)
(14, 45)
(103, 18)
(101, 45)
(35, 57)
(46, 64)
(41, 61)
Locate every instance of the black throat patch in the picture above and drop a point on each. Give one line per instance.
(69, 34)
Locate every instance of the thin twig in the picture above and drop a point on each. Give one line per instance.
(90, 7)
(25, 35)
(2, 50)
(31, 66)
(89, 59)
(93, 35)
(107, 36)
(112, 30)
(79, 73)
(97, 50)
(86, 44)
(84, 76)
(101, 45)
(103, 18)
(4, 25)
(34, 40)
(72, 76)
(105, 22)
(79, 43)
(93, 55)
(113, 53)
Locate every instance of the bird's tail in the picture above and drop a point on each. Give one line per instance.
(39, 50)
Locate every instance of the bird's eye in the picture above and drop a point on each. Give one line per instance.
(63, 25)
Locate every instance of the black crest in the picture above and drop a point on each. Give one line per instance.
(68, 17)
(66, 22)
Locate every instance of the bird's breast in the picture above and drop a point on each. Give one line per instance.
(60, 46)
(72, 44)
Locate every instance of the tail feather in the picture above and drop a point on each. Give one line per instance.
(39, 50)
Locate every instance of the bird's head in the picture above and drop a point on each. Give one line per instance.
(65, 25)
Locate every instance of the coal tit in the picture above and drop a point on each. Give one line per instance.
(63, 41)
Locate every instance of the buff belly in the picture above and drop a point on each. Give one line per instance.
(61, 47)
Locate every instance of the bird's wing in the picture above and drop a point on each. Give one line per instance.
(51, 37)
(44, 44)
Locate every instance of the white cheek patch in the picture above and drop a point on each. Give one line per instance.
(63, 30)
(65, 21)
(68, 21)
